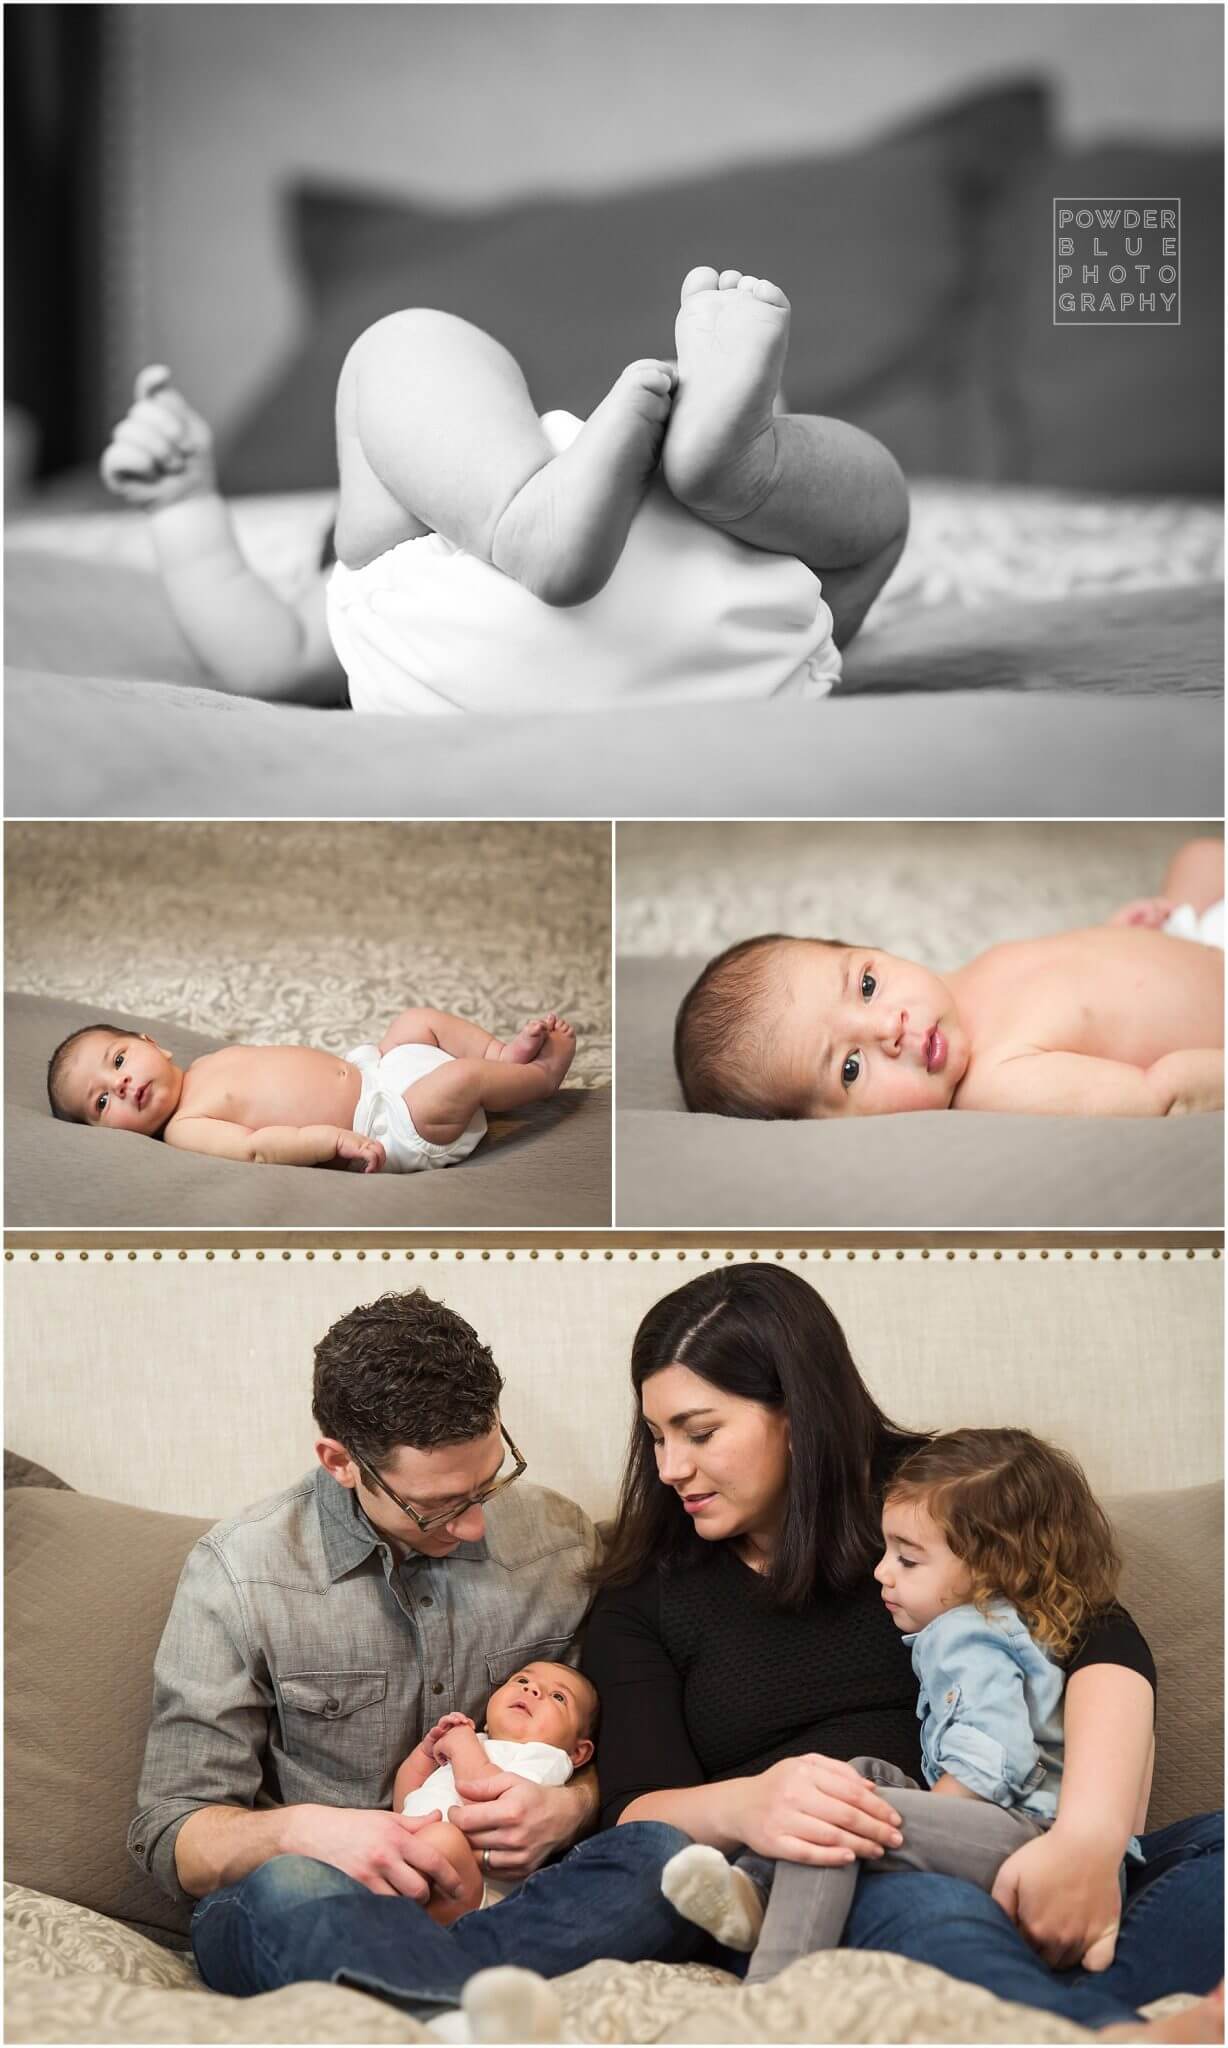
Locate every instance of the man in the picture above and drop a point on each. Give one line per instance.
(313, 1640)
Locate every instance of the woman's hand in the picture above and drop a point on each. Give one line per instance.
(1063, 1893)
(813, 1809)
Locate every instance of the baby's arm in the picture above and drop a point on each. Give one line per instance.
(276, 1144)
(460, 1747)
(988, 1745)
(1071, 1084)
(423, 1760)
(254, 642)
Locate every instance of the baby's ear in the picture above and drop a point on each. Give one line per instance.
(582, 1753)
(157, 1048)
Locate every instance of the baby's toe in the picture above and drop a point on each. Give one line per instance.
(702, 279)
(746, 283)
(730, 280)
(771, 293)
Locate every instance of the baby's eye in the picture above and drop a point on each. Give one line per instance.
(561, 1697)
(102, 1103)
(850, 1070)
(868, 985)
(118, 1061)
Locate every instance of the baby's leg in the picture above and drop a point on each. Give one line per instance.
(459, 1851)
(441, 415)
(1196, 874)
(443, 1102)
(463, 1039)
(793, 483)
(956, 1837)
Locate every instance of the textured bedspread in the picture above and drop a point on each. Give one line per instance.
(1110, 612)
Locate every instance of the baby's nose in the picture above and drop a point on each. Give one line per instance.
(893, 1029)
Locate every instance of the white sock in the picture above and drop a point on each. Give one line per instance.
(711, 1892)
(508, 2004)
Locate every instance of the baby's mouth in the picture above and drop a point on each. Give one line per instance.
(935, 1051)
(141, 1094)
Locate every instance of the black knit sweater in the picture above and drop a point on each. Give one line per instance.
(700, 1677)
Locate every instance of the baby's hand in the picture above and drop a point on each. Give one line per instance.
(360, 1155)
(161, 451)
(1148, 911)
(434, 1736)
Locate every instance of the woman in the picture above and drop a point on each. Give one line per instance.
(742, 1653)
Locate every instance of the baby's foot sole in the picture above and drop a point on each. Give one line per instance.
(720, 453)
(557, 1053)
(507, 2004)
(565, 529)
(706, 1889)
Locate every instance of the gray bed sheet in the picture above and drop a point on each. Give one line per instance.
(546, 1166)
(933, 1171)
(1094, 705)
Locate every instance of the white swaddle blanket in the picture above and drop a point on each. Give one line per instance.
(1207, 926)
(688, 615)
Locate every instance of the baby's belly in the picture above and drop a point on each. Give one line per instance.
(258, 1085)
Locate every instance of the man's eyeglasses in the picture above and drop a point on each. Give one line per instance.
(438, 1517)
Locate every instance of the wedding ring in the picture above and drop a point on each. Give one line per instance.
(486, 1862)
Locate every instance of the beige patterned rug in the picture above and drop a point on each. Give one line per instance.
(317, 934)
(937, 893)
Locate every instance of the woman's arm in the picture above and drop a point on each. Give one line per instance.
(1062, 1890)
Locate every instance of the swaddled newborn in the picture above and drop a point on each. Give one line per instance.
(1124, 1019)
(418, 1099)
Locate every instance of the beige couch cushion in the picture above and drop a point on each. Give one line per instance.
(89, 1583)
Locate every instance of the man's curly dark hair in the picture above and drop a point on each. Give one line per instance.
(403, 1370)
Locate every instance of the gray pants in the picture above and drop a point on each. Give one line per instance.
(807, 1907)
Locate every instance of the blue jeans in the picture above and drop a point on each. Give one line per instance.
(296, 1919)
(1172, 1930)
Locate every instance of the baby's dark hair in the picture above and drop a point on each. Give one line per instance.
(723, 1032)
(1021, 1516)
(59, 1060)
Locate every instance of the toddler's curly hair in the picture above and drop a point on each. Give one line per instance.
(1021, 1516)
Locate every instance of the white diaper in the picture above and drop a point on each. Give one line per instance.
(382, 1111)
(1207, 926)
(689, 615)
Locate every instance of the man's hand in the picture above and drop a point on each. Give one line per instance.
(380, 1849)
(360, 1155)
(518, 1822)
(1064, 1895)
(161, 451)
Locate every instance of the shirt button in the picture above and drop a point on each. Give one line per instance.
(426, 1601)
(331, 1706)
(950, 1697)
(437, 1687)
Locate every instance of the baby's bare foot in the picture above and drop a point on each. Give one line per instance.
(564, 531)
(558, 1051)
(528, 1041)
(720, 450)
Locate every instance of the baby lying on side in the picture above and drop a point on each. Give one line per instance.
(416, 1100)
(539, 1725)
(1125, 1019)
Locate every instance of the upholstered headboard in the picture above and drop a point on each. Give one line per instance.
(181, 1380)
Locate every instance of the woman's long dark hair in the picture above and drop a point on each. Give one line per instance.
(762, 1332)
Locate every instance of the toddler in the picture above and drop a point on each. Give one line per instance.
(995, 1559)
(416, 1100)
(690, 540)
(539, 1725)
(1125, 1019)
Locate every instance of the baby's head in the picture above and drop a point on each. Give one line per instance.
(106, 1075)
(545, 1702)
(786, 1027)
(995, 1514)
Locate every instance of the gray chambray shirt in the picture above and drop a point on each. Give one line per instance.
(302, 1663)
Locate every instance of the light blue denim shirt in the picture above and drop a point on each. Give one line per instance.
(990, 1708)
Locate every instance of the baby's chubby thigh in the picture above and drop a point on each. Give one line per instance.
(448, 1839)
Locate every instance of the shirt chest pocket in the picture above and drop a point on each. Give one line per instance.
(505, 1663)
(334, 1722)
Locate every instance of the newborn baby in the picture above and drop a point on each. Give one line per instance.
(692, 540)
(1124, 1019)
(539, 1725)
(416, 1100)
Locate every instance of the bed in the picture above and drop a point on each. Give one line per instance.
(1037, 653)
(1051, 643)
